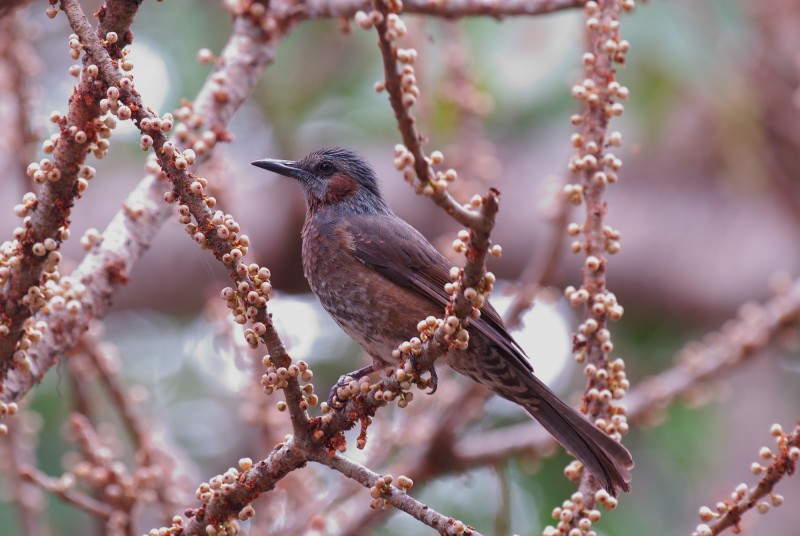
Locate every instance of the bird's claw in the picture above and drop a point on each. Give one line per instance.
(434, 381)
(333, 397)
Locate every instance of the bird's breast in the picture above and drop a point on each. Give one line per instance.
(374, 311)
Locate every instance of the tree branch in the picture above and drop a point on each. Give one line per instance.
(106, 267)
(47, 216)
(595, 168)
(225, 503)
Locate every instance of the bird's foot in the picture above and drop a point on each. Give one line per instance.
(434, 379)
(337, 402)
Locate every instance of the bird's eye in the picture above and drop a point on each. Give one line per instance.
(325, 168)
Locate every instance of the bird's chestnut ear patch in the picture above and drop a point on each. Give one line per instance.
(340, 187)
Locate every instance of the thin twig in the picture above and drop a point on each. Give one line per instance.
(131, 421)
(745, 499)
(317, 9)
(412, 138)
(140, 436)
(67, 494)
(431, 456)
(30, 519)
(395, 496)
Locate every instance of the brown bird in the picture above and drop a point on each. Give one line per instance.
(378, 277)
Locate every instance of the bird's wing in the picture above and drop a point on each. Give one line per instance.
(398, 252)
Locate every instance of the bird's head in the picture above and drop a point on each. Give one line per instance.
(333, 176)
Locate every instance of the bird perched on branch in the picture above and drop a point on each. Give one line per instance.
(378, 277)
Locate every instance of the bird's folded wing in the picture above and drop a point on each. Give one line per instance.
(398, 252)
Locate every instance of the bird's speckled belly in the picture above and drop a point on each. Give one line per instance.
(376, 313)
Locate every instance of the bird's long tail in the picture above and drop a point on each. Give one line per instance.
(605, 458)
(502, 368)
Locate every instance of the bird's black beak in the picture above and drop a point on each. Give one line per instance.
(286, 168)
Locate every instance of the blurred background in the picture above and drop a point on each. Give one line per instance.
(708, 205)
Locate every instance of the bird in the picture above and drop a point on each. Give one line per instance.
(377, 276)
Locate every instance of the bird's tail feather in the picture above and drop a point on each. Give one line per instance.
(605, 458)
